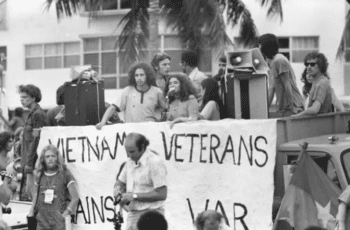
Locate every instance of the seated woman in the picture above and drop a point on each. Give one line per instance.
(211, 102)
(182, 104)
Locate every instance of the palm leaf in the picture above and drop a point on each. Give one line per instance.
(238, 14)
(345, 37)
(274, 7)
(135, 33)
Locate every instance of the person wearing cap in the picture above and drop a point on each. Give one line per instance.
(161, 65)
(282, 80)
(142, 181)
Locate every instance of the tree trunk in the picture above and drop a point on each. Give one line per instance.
(154, 38)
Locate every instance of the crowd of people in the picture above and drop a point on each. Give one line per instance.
(152, 95)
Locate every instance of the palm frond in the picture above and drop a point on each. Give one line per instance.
(134, 36)
(197, 22)
(238, 14)
(64, 7)
(274, 8)
(248, 31)
(344, 38)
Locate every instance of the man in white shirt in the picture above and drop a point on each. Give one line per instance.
(189, 63)
(142, 181)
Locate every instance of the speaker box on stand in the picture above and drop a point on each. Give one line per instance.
(246, 85)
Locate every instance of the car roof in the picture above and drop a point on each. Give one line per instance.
(319, 143)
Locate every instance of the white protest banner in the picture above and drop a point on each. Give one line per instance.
(225, 165)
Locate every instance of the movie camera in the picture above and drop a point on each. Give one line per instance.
(118, 219)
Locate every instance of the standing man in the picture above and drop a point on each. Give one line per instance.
(282, 78)
(30, 97)
(189, 63)
(320, 98)
(141, 100)
(220, 77)
(161, 64)
(142, 181)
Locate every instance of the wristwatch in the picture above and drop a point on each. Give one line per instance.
(134, 196)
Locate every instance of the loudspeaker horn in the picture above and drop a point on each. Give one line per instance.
(251, 60)
(259, 63)
(240, 59)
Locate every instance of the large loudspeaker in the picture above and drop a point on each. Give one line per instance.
(246, 85)
(84, 102)
(248, 60)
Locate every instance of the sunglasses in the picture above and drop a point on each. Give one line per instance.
(312, 64)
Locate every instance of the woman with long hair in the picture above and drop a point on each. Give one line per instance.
(211, 102)
(181, 100)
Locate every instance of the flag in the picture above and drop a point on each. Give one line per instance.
(311, 198)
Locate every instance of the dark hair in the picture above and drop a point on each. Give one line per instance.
(322, 61)
(60, 95)
(31, 90)
(190, 57)
(5, 137)
(307, 85)
(158, 58)
(150, 74)
(18, 112)
(152, 220)
(141, 141)
(223, 59)
(269, 45)
(211, 92)
(202, 217)
(186, 87)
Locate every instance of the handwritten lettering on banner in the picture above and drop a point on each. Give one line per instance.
(225, 165)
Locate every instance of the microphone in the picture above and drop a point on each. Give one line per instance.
(170, 92)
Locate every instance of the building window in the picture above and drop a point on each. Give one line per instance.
(296, 48)
(112, 5)
(52, 55)
(301, 46)
(173, 47)
(101, 54)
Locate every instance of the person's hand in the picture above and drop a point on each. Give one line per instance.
(99, 125)
(30, 213)
(177, 120)
(126, 198)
